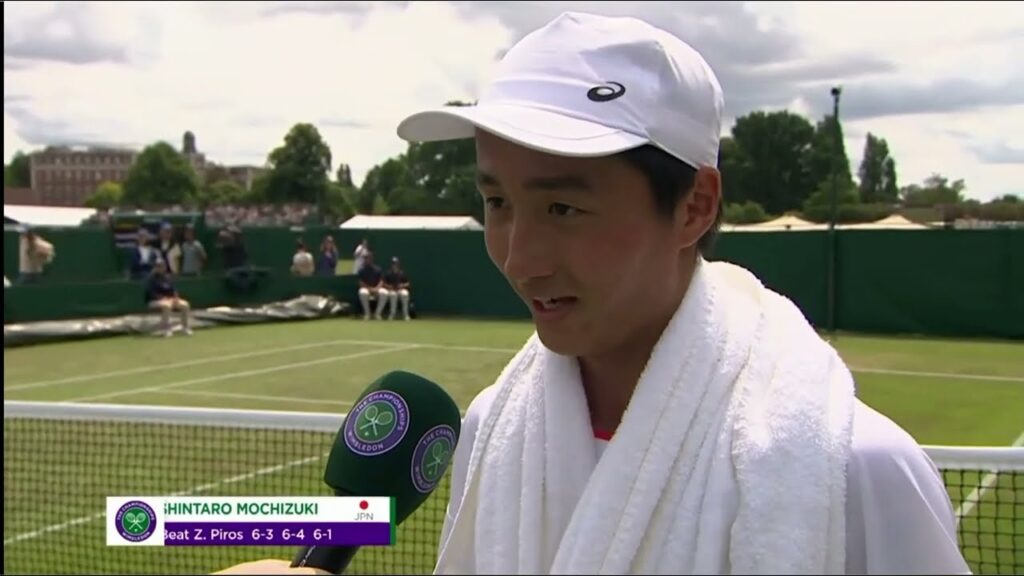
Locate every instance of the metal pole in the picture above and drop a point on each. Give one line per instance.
(836, 91)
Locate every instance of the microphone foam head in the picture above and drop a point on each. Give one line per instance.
(397, 440)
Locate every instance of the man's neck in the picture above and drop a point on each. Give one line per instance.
(609, 379)
(609, 382)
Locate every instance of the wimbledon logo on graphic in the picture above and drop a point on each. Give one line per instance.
(135, 521)
(377, 423)
(430, 459)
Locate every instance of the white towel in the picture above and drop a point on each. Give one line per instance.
(730, 457)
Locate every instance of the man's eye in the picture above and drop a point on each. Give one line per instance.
(494, 203)
(563, 209)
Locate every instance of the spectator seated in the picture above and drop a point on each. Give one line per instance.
(371, 287)
(396, 282)
(161, 295)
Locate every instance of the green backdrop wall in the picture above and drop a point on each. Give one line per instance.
(935, 282)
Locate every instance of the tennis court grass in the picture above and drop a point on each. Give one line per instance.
(942, 392)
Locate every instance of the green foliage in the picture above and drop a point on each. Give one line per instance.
(224, 192)
(18, 174)
(818, 208)
(1009, 208)
(380, 206)
(748, 212)
(766, 160)
(299, 168)
(935, 191)
(106, 196)
(338, 202)
(827, 154)
(160, 176)
(877, 172)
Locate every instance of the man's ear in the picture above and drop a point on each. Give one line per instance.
(698, 209)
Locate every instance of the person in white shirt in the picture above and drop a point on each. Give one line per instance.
(302, 262)
(697, 424)
(35, 254)
(359, 255)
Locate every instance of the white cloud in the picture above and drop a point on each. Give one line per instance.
(942, 145)
(972, 41)
(239, 79)
(963, 39)
(240, 85)
(12, 142)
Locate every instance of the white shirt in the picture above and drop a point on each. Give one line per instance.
(302, 263)
(899, 518)
(360, 257)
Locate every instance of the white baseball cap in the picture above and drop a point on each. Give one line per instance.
(589, 85)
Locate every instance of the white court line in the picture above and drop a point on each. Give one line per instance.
(267, 351)
(852, 369)
(241, 374)
(197, 362)
(256, 397)
(939, 375)
(974, 498)
(262, 397)
(193, 490)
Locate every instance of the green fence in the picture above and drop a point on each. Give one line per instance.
(959, 283)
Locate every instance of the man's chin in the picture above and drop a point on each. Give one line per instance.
(561, 342)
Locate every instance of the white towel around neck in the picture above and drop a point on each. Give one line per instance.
(739, 391)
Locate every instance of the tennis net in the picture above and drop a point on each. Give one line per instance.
(62, 460)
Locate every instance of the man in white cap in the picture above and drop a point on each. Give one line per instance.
(693, 423)
(670, 414)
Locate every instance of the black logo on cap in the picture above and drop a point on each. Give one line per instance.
(610, 91)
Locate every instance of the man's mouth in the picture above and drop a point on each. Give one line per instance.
(552, 304)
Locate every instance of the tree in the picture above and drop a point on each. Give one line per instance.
(446, 173)
(259, 191)
(300, 167)
(935, 191)
(216, 173)
(393, 183)
(342, 196)
(890, 189)
(736, 168)
(106, 196)
(749, 212)
(18, 174)
(828, 154)
(877, 172)
(818, 207)
(161, 176)
(345, 176)
(224, 192)
(1008, 208)
(338, 203)
(768, 162)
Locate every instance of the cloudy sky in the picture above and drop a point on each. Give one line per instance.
(942, 82)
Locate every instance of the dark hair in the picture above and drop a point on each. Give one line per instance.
(670, 180)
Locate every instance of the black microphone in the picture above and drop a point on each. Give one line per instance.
(403, 464)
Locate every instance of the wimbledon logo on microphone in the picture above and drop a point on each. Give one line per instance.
(377, 423)
(430, 459)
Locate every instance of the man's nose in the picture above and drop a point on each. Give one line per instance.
(530, 253)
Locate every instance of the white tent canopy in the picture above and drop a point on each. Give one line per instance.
(894, 222)
(47, 215)
(368, 222)
(780, 224)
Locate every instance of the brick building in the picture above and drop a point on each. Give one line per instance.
(21, 196)
(66, 176)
